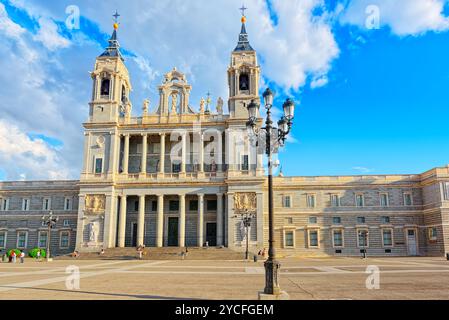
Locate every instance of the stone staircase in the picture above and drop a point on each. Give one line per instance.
(166, 253)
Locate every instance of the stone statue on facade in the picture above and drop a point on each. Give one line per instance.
(92, 232)
(174, 102)
(146, 105)
(220, 106)
(202, 104)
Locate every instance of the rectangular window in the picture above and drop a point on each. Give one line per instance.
(408, 200)
(359, 200)
(335, 200)
(362, 238)
(173, 205)
(310, 201)
(2, 239)
(287, 201)
(387, 237)
(22, 239)
(64, 242)
(176, 168)
(98, 165)
(4, 204)
(211, 205)
(313, 238)
(136, 205)
(289, 220)
(42, 239)
(25, 204)
(66, 223)
(361, 220)
(313, 220)
(336, 220)
(338, 238)
(385, 219)
(433, 234)
(289, 239)
(245, 163)
(193, 205)
(154, 206)
(46, 204)
(67, 204)
(384, 202)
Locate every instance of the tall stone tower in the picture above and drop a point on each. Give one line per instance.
(243, 76)
(111, 85)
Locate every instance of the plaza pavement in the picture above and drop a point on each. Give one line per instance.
(302, 278)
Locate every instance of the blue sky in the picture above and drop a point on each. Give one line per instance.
(369, 101)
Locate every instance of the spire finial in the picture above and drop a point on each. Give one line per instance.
(243, 9)
(116, 16)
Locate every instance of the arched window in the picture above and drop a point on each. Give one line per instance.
(123, 94)
(105, 87)
(244, 82)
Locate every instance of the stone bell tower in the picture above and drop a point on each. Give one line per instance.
(111, 85)
(243, 76)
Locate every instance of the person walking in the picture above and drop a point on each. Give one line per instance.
(14, 256)
(38, 255)
(22, 256)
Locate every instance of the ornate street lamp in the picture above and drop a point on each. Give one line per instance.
(246, 217)
(50, 221)
(274, 138)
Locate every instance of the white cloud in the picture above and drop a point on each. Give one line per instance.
(319, 82)
(22, 157)
(8, 27)
(49, 36)
(404, 17)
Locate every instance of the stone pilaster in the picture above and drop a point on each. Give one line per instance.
(141, 221)
(182, 220)
(122, 222)
(160, 221)
(219, 219)
(143, 164)
(200, 227)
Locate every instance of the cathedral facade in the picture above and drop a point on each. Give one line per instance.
(185, 176)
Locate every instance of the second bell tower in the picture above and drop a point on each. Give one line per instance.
(243, 76)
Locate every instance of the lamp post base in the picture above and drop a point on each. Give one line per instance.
(281, 296)
(272, 277)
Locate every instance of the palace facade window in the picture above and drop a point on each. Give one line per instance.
(67, 203)
(98, 165)
(46, 205)
(2, 239)
(289, 239)
(4, 204)
(337, 238)
(385, 219)
(336, 220)
(432, 233)
(313, 220)
(211, 205)
(193, 205)
(313, 237)
(22, 237)
(362, 238)
(26, 204)
(359, 200)
(311, 201)
(173, 205)
(361, 220)
(384, 201)
(42, 239)
(287, 201)
(154, 206)
(335, 200)
(387, 237)
(408, 199)
(64, 239)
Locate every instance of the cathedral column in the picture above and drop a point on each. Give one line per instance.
(219, 219)
(184, 153)
(200, 226)
(143, 165)
(141, 221)
(201, 153)
(122, 222)
(162, 155)
(126, 154)
(160, 221)
(182, 220)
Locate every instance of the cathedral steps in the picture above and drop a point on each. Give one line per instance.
(166, 253)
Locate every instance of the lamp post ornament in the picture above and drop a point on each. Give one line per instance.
(50, 221)
(275, 137)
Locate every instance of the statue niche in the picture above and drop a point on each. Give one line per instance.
(174, 94)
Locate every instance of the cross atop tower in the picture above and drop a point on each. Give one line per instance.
(243, 9)
(116, 16)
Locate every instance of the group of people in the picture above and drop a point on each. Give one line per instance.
(12, 258)
(140, 251)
